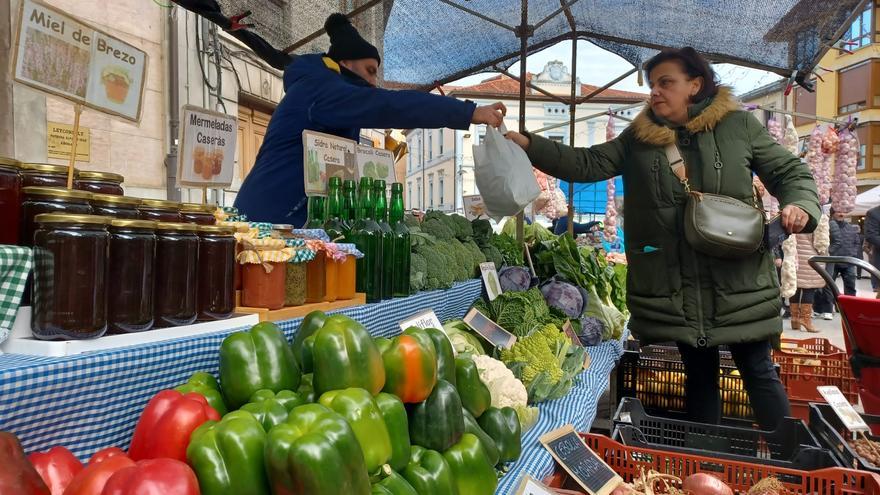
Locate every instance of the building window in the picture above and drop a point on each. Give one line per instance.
(409, 195)
(861, 30)
(440, 183)
(440, 153)
(804, 102)
(409, 159)
(419, 192)
(854, 88)
(430, 145)
(431, 191)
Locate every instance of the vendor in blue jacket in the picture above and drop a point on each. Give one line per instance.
(336, 94)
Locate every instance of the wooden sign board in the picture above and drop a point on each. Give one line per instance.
(59, 54)
(488, 329)
(473, 206)
(207, 148)
(375, 163)
(490, 279)
(531, 486)
(59, 142)
(581, 463)
(325, 156)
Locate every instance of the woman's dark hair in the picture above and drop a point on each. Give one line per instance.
(694, 65)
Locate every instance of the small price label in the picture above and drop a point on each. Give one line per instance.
(489, 330)
(844, 410)
(580, 462)
(531, 486)
(569, 331)
(490, 279)
(423, 319)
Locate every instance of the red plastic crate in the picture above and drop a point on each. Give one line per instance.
(805, 364)
(629, 462)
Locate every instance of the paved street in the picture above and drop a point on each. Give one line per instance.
(832, 329)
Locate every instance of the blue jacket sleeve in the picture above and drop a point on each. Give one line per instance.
(339, 104)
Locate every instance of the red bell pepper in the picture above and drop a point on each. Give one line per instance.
(16, 473)
(57, 467)
(104, 454)
(92, 479)
(166, 424)
(165, 476)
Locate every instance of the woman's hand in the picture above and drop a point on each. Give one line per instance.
(794, 219)
(519, 139)
(489, 114)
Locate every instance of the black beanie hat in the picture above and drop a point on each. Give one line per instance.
(345, 42)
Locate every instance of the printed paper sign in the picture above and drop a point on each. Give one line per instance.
(58, 54)
(844, 410)
(580, 462)
(489, 330)
(207, 153)
(531, 486)
(490, 279)
(424, 319)
(473, 206)
(326, 156)
(59, 142)
(376, 163)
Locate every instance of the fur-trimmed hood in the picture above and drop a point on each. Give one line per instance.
(647, 130)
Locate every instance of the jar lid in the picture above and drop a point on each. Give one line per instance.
(282, 226)
(95, 175)
(68, 218)
(197, 207)
(112, 199)
(46, 168)
(137, 224)
(216, 229)
(56, 192)
(160, 204)
(177, 227)
(9, 162)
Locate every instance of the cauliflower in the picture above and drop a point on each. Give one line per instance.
(506, 390)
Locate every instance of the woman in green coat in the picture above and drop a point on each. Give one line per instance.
(673, 292)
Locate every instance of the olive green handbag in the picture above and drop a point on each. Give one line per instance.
(717, 225)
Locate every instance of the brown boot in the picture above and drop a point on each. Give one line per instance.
(807, 318)
(795, 310)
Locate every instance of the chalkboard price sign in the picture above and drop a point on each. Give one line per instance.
(570, 451)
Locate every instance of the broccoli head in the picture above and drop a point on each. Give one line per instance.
(439, 275)
(418, 272)
(437, 228)
(482, 230)
(493, 254)
(411, 221)
(476, 255)
(463, 230)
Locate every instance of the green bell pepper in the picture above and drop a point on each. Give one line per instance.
(504, 427)
(269, 411)
(382, 344)
(316, 452)
(475, 396)
(254, 360)
(471, 426)
(442, 348)
(307, 328)
(394, 414)
(437, 423)
(205, 385)
(392, 484)
(429, 473)
(346, 357)
(410, 369)
(227, 456)
(286, 398)
(359, 408)
(471, 470)
(306, 389)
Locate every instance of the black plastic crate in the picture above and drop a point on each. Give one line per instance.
(655, 375)
(791, 445)
(829, 430)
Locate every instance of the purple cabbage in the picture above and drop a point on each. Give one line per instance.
(515, 279)
(592, 329)
(565, 297)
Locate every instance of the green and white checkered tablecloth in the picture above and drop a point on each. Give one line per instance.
(15, 263)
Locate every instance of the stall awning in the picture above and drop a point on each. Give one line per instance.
(867, 200)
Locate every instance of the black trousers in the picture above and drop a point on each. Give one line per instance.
(755, 364)
(825, 298)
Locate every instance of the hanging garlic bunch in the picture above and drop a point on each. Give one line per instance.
(610, 208)
(774, 127)
(790, 140)
(843, 194)
(816, 159)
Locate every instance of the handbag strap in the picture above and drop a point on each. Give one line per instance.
(676, 163)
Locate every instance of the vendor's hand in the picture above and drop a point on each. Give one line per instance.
(794, 219)
(519, 139)
(489, 114)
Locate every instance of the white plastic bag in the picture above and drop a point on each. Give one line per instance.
(504, 175)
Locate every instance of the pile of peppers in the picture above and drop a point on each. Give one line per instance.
(335, 411)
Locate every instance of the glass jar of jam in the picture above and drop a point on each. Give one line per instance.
(216, 277)
(282, 231)
(295, 284)
(111, 205)
(99, 182)
(10, 201)
(197, 213)
(322, 283)
(39, 200)
(174, 294)
(346, 277)
(132, 268)
(262, 289)
(159, 210)
(70, 277)
(45, 175)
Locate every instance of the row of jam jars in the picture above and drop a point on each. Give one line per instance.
(99, 182)
(197, 213)
(119, 207)
(159, 210)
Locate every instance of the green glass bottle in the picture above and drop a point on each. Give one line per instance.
(380, 203)
(349, 202)
(400, 278)
(316, 212)
(335, 226)
(367, 237)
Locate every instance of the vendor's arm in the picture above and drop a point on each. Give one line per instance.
(593, 164)
(340, 104)
(785, 176)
